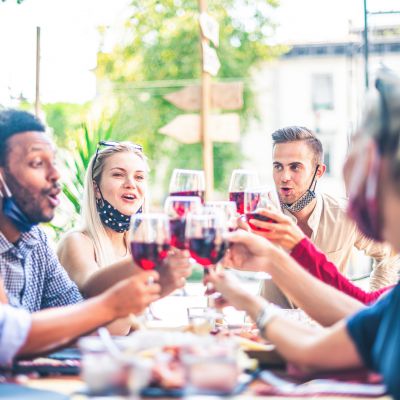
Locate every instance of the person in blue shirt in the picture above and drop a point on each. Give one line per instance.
(371, 337)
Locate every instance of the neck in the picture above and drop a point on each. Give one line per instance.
(116, 237)
(8, 229)
(304, 214)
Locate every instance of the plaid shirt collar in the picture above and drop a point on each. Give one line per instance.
(29, 239)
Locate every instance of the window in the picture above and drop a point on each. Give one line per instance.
(322, 92)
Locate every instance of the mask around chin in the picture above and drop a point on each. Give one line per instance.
(363, 205)
(13, 212)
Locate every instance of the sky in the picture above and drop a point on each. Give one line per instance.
(70, 39)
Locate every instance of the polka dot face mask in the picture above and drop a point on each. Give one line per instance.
(111, 217)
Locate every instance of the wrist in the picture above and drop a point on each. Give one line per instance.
(265, 317)
(108, 305)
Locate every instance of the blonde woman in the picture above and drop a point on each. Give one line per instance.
(98, 253)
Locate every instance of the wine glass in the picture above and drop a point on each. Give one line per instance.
(187, 182)
(205, 237)
(228, 210)
(150, 239)
(176, 208)
(259, 197)
(240, 180)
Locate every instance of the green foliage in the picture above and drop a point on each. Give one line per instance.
(83, 144)
(64, 117)
(161, 48)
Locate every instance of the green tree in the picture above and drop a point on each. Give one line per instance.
(161, 46)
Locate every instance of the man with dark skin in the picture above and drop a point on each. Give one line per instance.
(32, 275)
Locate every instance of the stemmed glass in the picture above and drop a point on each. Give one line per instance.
(259, 197)
(205, 238)
(150, 239)
(241, 179)
(228, 210)
(177, 208)
(187, 182)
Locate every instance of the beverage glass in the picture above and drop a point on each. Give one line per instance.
(228, 210)
(259, 197)
(205, 238)
(177, 208)
(241, 179)
(187, 182)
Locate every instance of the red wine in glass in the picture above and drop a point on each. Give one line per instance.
(241, 179)
(259, 217)
(207, 250)
(198, 193)
(177, 207)
(187, 182)
(149, 255)
(177, 227)
(238, 198)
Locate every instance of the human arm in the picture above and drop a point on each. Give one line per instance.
(316, 263)
(309, 349)
(55, 327)
(320, 301)
(76, 253)
(386, 263)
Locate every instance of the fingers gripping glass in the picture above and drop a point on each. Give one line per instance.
(105, 143)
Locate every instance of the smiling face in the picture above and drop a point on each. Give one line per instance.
(31, 175)
(293, 169)
(123, 182)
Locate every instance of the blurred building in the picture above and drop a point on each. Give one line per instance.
(320, 86)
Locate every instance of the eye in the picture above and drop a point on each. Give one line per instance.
(36, 163)
(295, 167)
(118, 174)
(140, 177)
(277, 167)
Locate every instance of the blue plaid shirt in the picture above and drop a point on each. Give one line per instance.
(33, 277)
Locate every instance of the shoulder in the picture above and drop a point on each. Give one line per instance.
(75, 241)
(334, 202)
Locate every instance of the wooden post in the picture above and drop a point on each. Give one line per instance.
(208, 161)
(37, 90)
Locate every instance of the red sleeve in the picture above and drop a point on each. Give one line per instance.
(316, 263)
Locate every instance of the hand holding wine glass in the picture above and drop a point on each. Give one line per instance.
(257, 198)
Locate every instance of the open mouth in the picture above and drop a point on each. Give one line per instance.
(54, 199)
(129, 197)
(286, 191)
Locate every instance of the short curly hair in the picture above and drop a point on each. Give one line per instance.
(12, 122)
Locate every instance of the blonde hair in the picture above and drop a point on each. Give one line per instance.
(91, 223)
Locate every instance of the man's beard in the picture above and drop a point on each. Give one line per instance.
(29, 203)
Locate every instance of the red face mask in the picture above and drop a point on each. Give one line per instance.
(363, 205)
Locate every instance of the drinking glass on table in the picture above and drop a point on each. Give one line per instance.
(228, 210)
(259, 197)
(187, 182)
(241, 179)
(150, 239)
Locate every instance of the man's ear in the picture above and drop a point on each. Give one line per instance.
(320, 171)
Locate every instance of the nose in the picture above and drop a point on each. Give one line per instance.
(129, 182)
(54, 174)
(285, 176)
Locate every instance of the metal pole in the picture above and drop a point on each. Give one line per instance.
(366, 46)
(208, 161)
(37, 94)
